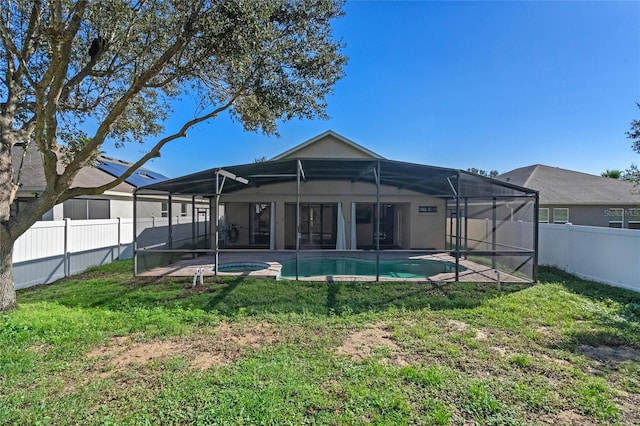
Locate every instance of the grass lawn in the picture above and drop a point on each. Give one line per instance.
(105, 348)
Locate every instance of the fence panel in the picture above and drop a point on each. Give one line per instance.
(42, 240)
(51, 250)
(607, 255)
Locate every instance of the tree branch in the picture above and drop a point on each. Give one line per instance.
(154, 152)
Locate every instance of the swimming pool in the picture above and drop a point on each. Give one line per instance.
(402, 268)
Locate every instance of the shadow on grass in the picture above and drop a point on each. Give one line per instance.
(113, 287)
(232, 295)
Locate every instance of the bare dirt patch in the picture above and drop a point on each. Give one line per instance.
(568, 418)
(500, 349)
(613, 354)
(458, 325)
(362, 344)
(40, 349)
(628, 404)
(220, 345)
(559, 361)
(481, 335)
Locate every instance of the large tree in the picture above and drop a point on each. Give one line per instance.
(119, 66)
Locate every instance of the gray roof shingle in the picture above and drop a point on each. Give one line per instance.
(562, 186)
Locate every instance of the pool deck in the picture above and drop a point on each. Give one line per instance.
(204, 265)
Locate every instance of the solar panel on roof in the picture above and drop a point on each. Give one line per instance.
(140, 177)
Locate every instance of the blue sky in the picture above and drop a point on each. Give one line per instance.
(491, 85)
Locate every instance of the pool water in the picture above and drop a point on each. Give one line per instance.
(405, 268)
(241, 267)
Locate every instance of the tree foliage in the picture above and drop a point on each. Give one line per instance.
(632, 173)
(634, 133)
(118, 66)
(613, 174)
(491, 173)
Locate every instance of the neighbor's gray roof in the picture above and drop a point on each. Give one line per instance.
(561, 186)
(429, 180)
(32, 175)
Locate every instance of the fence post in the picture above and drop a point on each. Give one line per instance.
(567, 251)
(67, 257)
(119, 236)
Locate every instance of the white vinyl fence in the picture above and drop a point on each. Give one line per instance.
(51, 250)
(606, 255)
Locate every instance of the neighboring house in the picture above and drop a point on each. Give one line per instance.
(568, 196)
(114, 203)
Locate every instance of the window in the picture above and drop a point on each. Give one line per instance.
(543, 215)
(183, 209)
(164, 209)
(427, 209)
(81, 209)
(561, 215)
(633, 213)
(616, 217)
(634, 225)
(19, 204)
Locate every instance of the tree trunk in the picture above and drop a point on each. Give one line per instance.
(7, 288)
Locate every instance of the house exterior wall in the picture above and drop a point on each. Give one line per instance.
(418, 231)
(121, 208)
(599, 215)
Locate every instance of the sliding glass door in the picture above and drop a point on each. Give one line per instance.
(318, 225)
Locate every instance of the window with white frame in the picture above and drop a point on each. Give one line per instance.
(561, 215)
(616, 218)
(543, 215)
(164, 209)
(183, 209)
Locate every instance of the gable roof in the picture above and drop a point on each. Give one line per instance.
(328, 142)
(562, 186)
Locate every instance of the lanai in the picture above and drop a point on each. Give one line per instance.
(490, 222)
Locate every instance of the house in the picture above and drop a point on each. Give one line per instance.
(331, 193)
(114, 203)
(567, 196)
